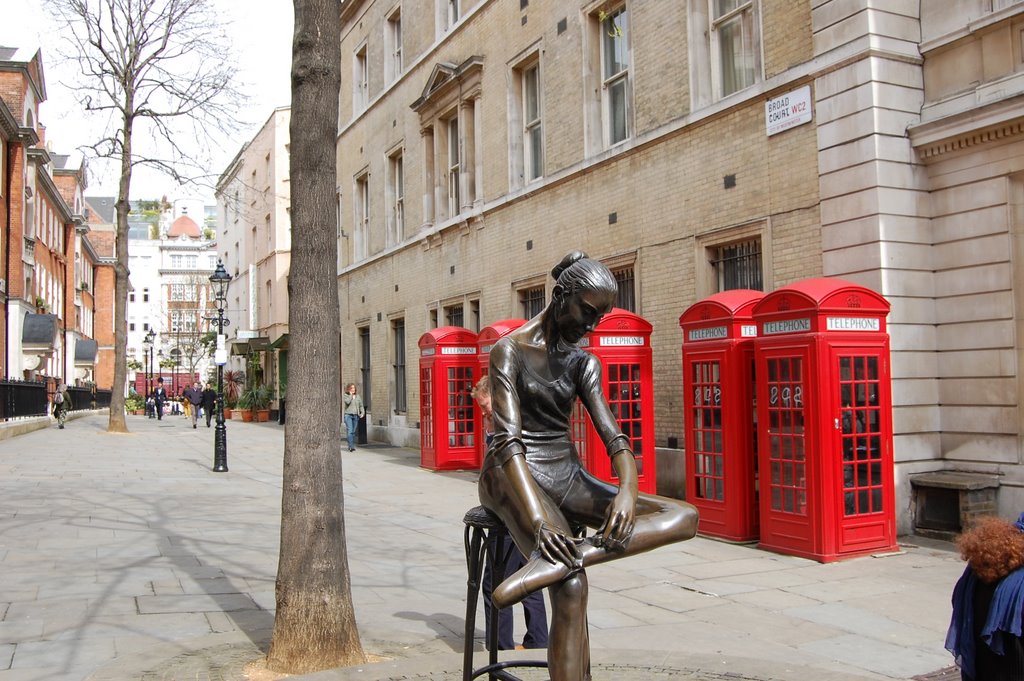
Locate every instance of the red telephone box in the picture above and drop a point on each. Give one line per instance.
(447, 413)
(622, 341)
(718, 406)
(489, 335)
(824, 408)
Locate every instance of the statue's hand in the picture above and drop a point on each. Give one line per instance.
(556, 547)
(618, 524)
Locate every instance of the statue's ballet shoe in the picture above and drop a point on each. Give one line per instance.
(537, 574)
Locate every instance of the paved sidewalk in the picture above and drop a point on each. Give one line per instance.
(124, 557)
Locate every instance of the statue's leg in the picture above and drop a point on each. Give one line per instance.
(569, 640)
(659, 521)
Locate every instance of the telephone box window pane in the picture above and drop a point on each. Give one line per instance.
(578, 426)
(786, 435)
(707, 426)
(460, 407)
(624, 400)
(427, 423)
(860, 445)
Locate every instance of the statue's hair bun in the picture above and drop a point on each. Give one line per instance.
(567, 262)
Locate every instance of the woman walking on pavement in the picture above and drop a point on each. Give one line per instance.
(353, 411)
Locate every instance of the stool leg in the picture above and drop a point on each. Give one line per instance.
(474, 566)
(497, 559)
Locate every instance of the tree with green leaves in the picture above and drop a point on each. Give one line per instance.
(314, 625)
(158, 72)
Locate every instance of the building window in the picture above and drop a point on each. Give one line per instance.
(738, 265)
(360, 81)
(145, 326)
(361, 232)
(532, 301)
(396, 198)
(453, 12)
(364, 364)
(145, 295)
(183, 292)
(615, 73)
(131, 297)
(533, 130)
(449, 110)
(393, 41)
(131, 326)
(625, 298)
(177, 261)
(733, 44)
(453, 315)
(183, 321)
(474, 316)
(454, 168)
(398, 333)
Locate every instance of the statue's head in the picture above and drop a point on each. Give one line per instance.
(584, 291)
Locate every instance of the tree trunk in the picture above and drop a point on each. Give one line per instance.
(116, 418)
(315, 626)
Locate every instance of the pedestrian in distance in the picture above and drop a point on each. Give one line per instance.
(988, 602)
(353, 411)
(209, 402)
(534, 612)
(193, 399)
(159, 397)
(61, 404)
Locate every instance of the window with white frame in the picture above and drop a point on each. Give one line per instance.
(183, 292)
(734, 44)
(449, 109)
(393, 40)
(3, 166)
(454, 168)
(533, 129)
(396, 197)
(361, 232)
(614, 27)
(183, 321)
(453, 12)
(360, 80)
(398, 336)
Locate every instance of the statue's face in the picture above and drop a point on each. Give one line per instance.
(580, 313)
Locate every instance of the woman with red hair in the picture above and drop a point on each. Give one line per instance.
(988, 602)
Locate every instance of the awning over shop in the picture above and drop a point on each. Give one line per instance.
(243, 346)
(85, 351)
(281, 343)
(39, 330)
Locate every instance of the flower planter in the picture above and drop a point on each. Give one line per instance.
(262, 415)
(246, 414)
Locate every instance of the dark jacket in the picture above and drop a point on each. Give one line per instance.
(209, 398)
(194, 395)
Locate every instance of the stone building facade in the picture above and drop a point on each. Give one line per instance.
(253, 210)
(479, 141)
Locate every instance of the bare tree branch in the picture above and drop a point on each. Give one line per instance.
(159, 70)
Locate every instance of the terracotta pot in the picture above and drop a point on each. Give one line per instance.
(262, 415)
(246, 414)
(227, 413)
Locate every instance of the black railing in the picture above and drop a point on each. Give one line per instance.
(19, 399)
(88, 398)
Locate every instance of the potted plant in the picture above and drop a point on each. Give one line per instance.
(244, 405)
(257, 399)
(135, 404)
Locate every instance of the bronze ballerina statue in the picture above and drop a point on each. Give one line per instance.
(532, 477)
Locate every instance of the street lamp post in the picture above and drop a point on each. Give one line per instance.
(219, 280)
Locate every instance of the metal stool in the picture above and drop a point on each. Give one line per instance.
(484, 534)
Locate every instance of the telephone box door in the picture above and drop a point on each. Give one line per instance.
(489, 335)
(863, 435)
(786, 450)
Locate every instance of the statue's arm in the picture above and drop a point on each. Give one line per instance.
(621, 514)
(510, 452)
